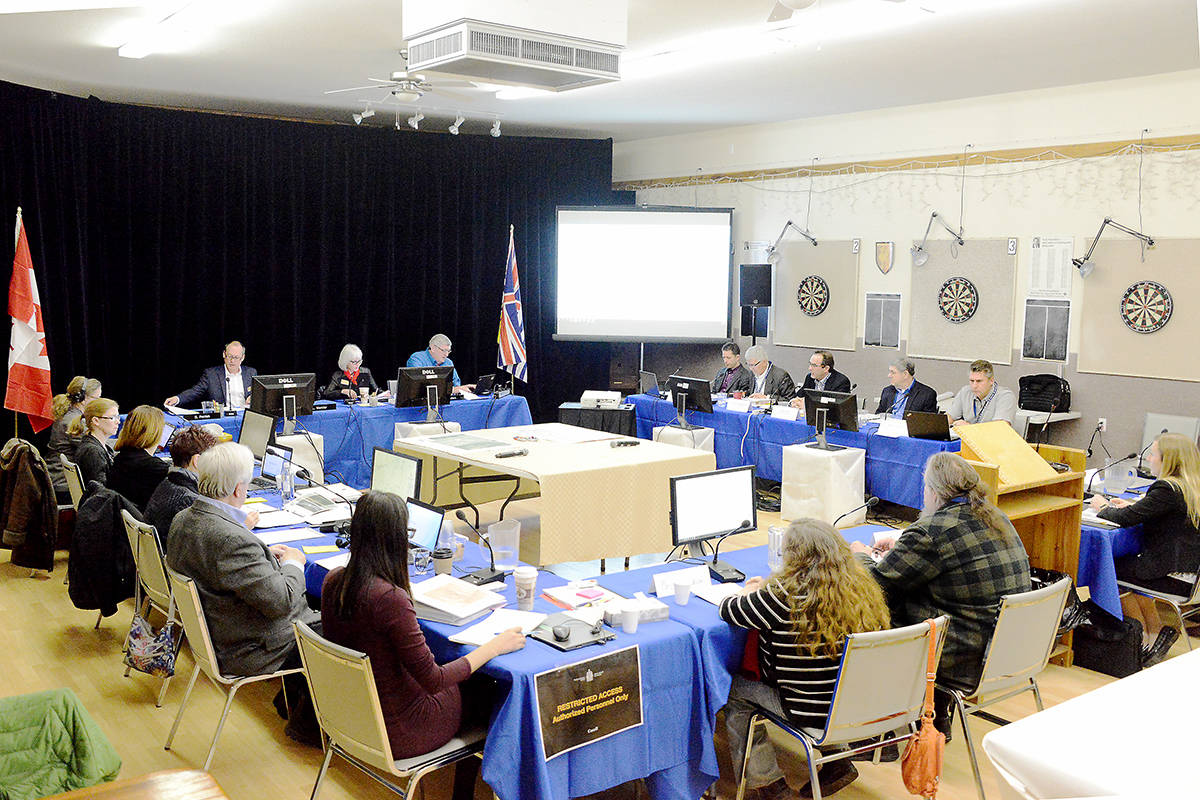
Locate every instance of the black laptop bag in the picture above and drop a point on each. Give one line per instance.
(1044, 392)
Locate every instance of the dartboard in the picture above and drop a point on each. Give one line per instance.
(813, 295)
(958, 299)
(1146, 306)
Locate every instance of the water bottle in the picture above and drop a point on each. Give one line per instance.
(775, 547)
(287, 482)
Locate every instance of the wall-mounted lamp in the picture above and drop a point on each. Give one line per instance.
(919, 254)
(1085, 265)
(458, 121)
(773, 254)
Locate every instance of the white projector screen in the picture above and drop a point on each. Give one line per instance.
(644, 274)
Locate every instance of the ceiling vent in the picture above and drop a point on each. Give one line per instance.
(500, 54)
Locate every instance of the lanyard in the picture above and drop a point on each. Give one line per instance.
(979, 409)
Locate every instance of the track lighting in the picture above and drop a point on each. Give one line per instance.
(414, 121)
(919, 254)
(458, 121)
(1085, 265)
(367, 113)
(496, 129)
(773, 254)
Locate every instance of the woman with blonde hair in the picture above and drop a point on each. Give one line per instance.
(98, 424)
(958, 559)
(803, 614)
(135, 472)
(67, 407)
(1169, 514)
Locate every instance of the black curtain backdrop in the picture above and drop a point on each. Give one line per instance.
(159, 235)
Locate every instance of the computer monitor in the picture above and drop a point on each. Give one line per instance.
(425, 523)
(689, 393)
(276, 460)
(709, 504)
(841, 409)
(284, 395)
(396, 473)
(485, 384)
(412, 383)
(256, 432)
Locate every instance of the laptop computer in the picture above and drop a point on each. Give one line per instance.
(485, 383)
(928, 425)
(648, 384)
(277, 458)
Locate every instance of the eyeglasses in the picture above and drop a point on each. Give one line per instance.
(110, 418)
(754, 363)
(229, 357)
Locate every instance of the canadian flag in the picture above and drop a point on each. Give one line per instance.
(28, 363)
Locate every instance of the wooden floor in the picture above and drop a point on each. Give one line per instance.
(46, 643)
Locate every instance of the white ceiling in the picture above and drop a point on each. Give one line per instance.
(278, 57)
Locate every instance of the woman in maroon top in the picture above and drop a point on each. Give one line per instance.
(367, 606)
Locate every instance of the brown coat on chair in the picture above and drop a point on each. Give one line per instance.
(28, 506)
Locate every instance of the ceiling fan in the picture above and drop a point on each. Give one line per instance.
(784, 9)
(407, 87)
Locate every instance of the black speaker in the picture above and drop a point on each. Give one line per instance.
(754, 282)
(749, 325)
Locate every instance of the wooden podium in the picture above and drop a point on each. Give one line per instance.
(1045, 506)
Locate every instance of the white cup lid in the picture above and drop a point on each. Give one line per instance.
(525, 572)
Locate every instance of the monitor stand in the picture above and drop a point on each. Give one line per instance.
(431, 404)
(681, 412)
(822, 424)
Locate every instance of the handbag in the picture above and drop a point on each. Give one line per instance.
(148, 650)
(1044, 392)
(921, 764)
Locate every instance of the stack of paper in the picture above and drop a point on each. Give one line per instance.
(501, 619)
(444, 598)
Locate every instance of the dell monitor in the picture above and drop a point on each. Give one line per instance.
(712, 505)
(689, 392)
(396, 473)
(283, 395)
(256, 432)
(841, 409)
(424, 524)
(413, 385)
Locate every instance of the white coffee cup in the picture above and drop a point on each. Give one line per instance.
(525, 579)
(629, 620)
(683, 592)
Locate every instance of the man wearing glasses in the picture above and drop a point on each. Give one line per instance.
(438, 355)
(228, 384)
(770, 380)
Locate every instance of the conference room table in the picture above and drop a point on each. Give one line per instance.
(351, 432)
(894, 465)
(1099, 548)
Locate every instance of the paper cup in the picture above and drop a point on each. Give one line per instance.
(683, 592)
(392, 384)
(525, 579)
(629, 620)
(443, 559)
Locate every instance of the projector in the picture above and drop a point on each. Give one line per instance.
(597, 399)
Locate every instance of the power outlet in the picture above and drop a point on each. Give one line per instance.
(1102, 424)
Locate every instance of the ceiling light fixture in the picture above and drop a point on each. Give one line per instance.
(367, 113)
(919, 254)
(496, 129)
(458, 121)
(773, 254)
(1085, 265)
(414, 121)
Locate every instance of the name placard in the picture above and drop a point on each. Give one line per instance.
(589, 700)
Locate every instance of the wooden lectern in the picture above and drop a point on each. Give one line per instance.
(1045, 506)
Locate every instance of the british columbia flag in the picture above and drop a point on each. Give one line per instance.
(511, 354)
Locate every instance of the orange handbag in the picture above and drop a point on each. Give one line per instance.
(921, 764)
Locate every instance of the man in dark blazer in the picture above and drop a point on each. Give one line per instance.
(823, 377)
(733, 377)
(770, 380)
(905, 393)
(228, 384)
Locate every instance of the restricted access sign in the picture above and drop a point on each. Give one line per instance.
(589, 700)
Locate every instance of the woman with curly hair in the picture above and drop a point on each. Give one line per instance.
(803, 614)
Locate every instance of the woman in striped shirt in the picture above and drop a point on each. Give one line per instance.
(803, 614)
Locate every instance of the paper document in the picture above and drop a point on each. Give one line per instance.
(444, 598)
(588, 616)
(578, 594)
(181, 412)
(716, 592)
(499, 621)
(277, 518)
(290, 535)
(663, 583)
(891, 427)
(1090, 518)
(333, 562)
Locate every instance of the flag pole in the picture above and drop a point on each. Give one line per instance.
(16, 243)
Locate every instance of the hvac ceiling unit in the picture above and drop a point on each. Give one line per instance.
(497, 53)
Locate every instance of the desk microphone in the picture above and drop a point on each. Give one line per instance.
(871, 502)
(485, 574)
(727, 573)
(1087, 489)
(1142, 473)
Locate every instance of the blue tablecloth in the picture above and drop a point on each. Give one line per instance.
(1098, 550)
(894, 466)
(352, 432)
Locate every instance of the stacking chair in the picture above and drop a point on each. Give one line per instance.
(347, 705)
(187, 601)
(880, 689)
(1026, 629)
(151, 574)
(74, 479)
(1184, 607)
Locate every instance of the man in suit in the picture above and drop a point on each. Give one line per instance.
(823, 377)
(733, 377)
(228, 384)
(769, 380)
(251, 593)
(905, 393)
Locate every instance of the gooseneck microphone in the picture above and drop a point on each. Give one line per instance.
(1141, 472)
(1088, 488)
(721, 571)
(871, 502)
(484, 574)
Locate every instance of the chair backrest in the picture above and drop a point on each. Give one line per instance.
(944, 401)
(148, 558)
(345, 699)
(195, 627)
(74, 479)
(881, 682)
(1026, 628)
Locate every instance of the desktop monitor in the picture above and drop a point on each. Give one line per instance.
(284, 395)
(412, 382)
(396, 473)
(710, 504)
(256, 432)
(424, 524)
(696, 393)
(841, 409)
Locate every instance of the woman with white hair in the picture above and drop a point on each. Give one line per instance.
(351, 376)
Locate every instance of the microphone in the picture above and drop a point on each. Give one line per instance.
(484, 574)
(871, 502)
(228, 387)
(727, 573)
(1088, 488)
(1144, 473)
